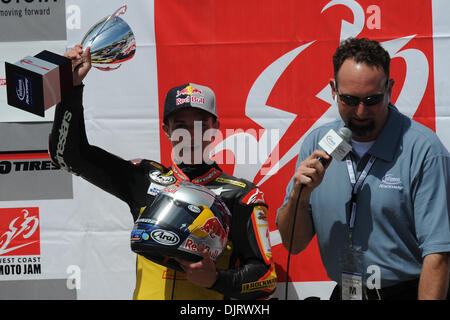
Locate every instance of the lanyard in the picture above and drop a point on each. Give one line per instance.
(356, 185)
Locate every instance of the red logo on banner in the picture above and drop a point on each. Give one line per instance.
(19, 231)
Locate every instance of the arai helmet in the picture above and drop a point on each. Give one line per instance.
(183, 219)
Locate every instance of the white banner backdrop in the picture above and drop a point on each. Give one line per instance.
(441, 44)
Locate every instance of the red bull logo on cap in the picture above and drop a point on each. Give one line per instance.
(190, 99)
(189, 91)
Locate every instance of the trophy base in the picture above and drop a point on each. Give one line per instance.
(37, 83)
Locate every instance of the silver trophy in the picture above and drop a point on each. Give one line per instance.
(111, 40)
(37, 83)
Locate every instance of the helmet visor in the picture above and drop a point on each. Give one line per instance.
(170, 213)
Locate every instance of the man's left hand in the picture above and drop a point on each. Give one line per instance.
(202, 273)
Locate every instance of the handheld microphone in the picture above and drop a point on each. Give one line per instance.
(336, 144)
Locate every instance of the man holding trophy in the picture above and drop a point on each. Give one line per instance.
(244, 270)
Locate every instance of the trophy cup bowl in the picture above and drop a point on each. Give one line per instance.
(37, 83)
(111, 40)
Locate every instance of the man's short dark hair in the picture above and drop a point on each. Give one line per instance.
(362, 50)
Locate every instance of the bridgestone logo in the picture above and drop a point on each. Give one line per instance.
(63, 131)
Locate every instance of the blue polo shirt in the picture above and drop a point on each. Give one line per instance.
(402, 207)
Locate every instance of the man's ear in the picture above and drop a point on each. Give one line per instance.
(390, 86)
(216, 124)
(165, 128)
(333, 89)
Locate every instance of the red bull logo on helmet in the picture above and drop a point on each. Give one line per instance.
(214, 228)
(191, 245)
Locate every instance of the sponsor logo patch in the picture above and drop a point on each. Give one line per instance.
(254, 196)
(391, 182)
(164, 237)
(158, 177)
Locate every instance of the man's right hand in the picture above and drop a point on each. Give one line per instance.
(310, 172)
(81, 63)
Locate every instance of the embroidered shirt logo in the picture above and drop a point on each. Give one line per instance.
(391, 182)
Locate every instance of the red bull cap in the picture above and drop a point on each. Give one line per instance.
(189, 95)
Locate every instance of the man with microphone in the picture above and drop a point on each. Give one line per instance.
(381, 216)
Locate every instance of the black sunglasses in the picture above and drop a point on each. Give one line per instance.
(355, 101)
